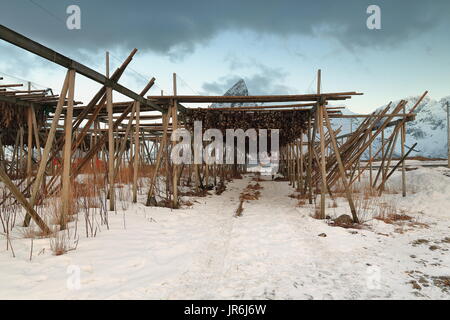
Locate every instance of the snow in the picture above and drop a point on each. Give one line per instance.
(272, 251)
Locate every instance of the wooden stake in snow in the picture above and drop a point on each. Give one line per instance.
(136, 151)
(109, 108)
(448, 129)
(403, 138)
(67, 163)
(174, 127)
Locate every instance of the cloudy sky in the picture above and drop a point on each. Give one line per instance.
(276, 46)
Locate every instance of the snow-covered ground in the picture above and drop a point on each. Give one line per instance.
(272, 251)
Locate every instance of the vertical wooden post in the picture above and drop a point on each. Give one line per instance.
(300, 150)
(136, 150)
(323, 164)
(448, 131)
(2, 155)
(289, 163)
(174, 127)
(15, 153)
(294, 165)
(297, 165)
(403, 138)
(206, 176)
(109, 107)
(160, 154)
(197, 177)
(30, 144)
(67, 163)
(370, 158)
(30, 139)
(310, 155)
(36, 133)
(322, 161)
(20, 167)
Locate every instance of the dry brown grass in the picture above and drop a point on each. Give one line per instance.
(125, 175)
(90, 168)
(240, 209)
(251, 192)
(187, 203)
(256, 186)
(366, 207)
(191, 193)
(88, 189)
(147, 170)
(301, 203)
(61, 243)
(237, 176)
(250, 195)
(388, 213)
(333, 204)
(32, 233)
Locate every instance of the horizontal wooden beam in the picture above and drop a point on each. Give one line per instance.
(350, 116)
(38, 49)
(14, 100)
(10, 85)
(263, 98)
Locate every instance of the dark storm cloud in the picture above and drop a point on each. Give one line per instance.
(177, 27)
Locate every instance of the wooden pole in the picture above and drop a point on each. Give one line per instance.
(36, 133)
(109, 107)
(2, 155)
(123, 143)
(67, 163)
(448, 131)
(20, 167)
(301, 166)
(323, 165)
(159, 156)
(403, 138)
(174, 127)
(370, 160)
(30, 144)
(136, 151)
(310, 159)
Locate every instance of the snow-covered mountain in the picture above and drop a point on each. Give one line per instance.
(429, 129)
(238, 89)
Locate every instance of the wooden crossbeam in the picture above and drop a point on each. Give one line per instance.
(32, 46)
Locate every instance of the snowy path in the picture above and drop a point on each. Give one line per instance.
(272, 251)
